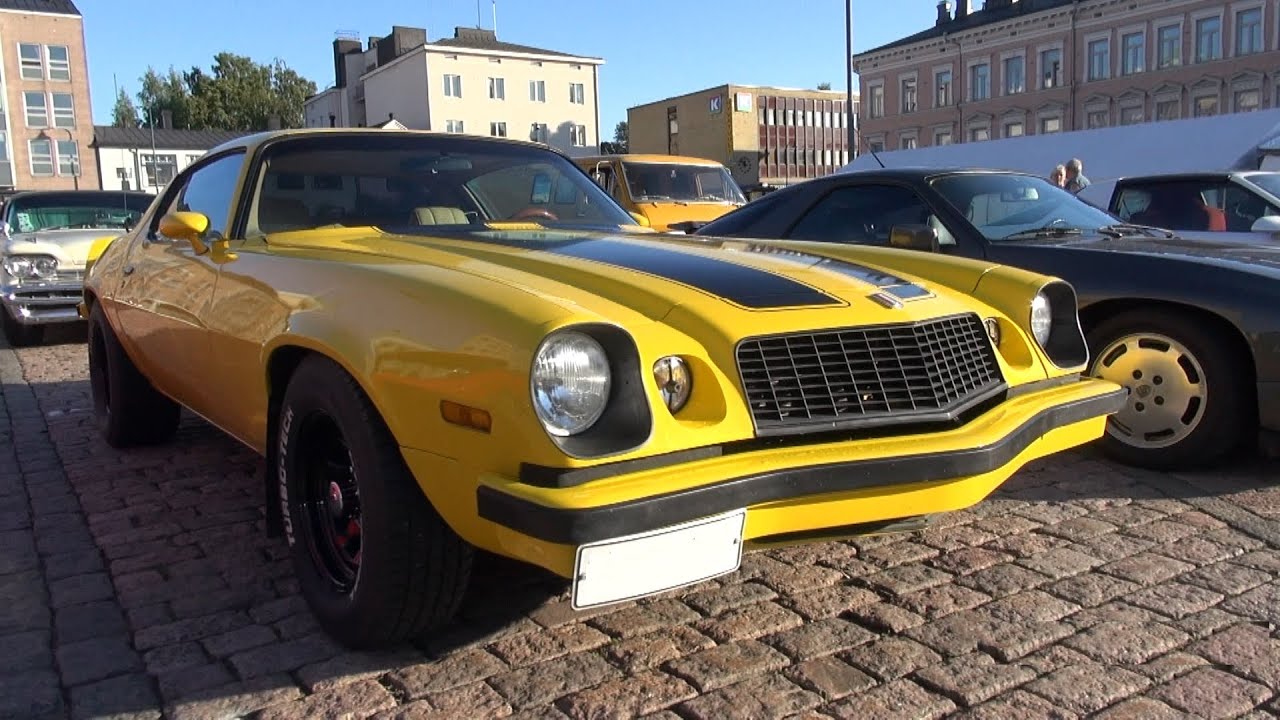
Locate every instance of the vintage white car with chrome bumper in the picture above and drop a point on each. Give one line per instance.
(45, 243)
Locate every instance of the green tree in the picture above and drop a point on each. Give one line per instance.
(620, 136)
(235, 93)
(824, 86)
(124, 114)
(165, 92)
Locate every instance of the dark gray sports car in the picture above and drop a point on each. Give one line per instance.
(1192, 329)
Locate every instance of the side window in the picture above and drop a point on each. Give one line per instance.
(1131, 201)
(1194, 205)
(1243, 208)
(865, 215)
(741, 222)
(211, 192)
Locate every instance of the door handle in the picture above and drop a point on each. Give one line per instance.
(128, 270)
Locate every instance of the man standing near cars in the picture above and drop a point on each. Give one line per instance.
(1076, 181)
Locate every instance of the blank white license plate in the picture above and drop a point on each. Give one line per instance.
(625, 568)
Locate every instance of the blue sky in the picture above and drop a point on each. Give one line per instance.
(668, 48)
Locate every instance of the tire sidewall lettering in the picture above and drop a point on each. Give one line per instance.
(282, 473)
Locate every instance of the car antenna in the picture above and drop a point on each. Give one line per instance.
(877, 157)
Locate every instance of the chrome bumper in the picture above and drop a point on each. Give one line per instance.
(44, 303)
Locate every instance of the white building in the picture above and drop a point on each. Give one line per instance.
(137, 159)
(471, 83)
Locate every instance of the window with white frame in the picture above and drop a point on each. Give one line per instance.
(453, 126)
(1134, 59)
(980, 81)
(1132, 114)
(1249, 31)
(1247, 99)
(875, 108)
(1051, 124)
(1204, 105)
(979, 133)
(907, 141)
(1100, 59)
(1168, 108)
(41, 154)
(32, 61)
(64, 110)
(498, 129)
(578, 135)
(942, 87)
(577, 94)
(875, 145)
(37, 109)
(160, 168)
(453, 86)
(1015, 75)
(1014, 128)
(1208, 39)
(1169, 46)
(68, 157)
(497, 88)
(942, 137)
(59, 62)
(908, 94)
(538, 90)
(1051, 68)
(1097, 118)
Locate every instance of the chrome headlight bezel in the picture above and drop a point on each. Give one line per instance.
(31, 267)
(1063, 341)
(674, 379)
(1040, 318)
(552, 368)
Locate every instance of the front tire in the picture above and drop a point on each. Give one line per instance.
(375, 561)
(19, 335)
(1189, 402)
(128, 408)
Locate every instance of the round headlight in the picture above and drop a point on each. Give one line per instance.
(45, 266)
(570, 383)
(1041, 318)
(674, 380)
(31, 266)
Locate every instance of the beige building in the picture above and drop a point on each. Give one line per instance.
(764, 135)
(47, 124)
(148, 159)
(1023, 67)
(471, 83)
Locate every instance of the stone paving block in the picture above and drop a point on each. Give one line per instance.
(1244, 649)
(1147, 568)
(1013, 641)
(885, 617)
(973, 678)
(1141, 708)
(830, 677)
(1212, 693)
(541, 684)
(1167, 667)
(29, 694)
(1226, 577)
(475, 700)
(89, 620)
(188, 629)
(723, 665)
(968, 560)
(1261, 603)
(796, 580)
(1005, 579)
(627, 697)
(359, 699)
(749, 622)
(642, 652)
(1113, 546)
(460, 668)
(25, 651)
(234, 700)
(1085, 689)
(1029, 606)
(188, 681)
(170, 658)
(642, 619)
(830, 601)
(1129, 644)
(899, 553)
(1204, 624)
(898, 699)
(821, 637)
(1078, 529)
(283, 657)
(127, 697)
(942, 600)
(536, 647)
(891, 658)
(88, 660)
(354, 665)
(1060, 562)
(769, 696)
(80, 589)
(1091, 589)
(906, 579)
(1267, 561)
(234, 641)
(1175, 599)
(717, 600)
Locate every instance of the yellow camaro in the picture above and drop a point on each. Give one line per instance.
(442, 343)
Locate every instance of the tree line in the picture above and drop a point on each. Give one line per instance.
(235, 93)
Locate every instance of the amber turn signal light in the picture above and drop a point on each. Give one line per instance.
(459, 414)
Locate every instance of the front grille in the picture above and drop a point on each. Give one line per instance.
(867, 375)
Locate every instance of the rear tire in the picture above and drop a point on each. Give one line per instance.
(128, 408)
(1189, 399)
(375, 561)
(19, 335)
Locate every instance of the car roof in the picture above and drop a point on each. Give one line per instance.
(651, 158)
(250, 142)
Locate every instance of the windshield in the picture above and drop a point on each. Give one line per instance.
(1003, 206)
(75, 210)
(681, 183)
(1267, 181)
(398, 180)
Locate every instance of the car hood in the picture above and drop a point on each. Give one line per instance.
(70, 247)
(734, 287)
(661, 214)
(1255, 256)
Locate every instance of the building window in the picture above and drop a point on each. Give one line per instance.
(942, 82)
(1169, 40)
(36, 110)
(1168, 109)
(1205, 106)
(539, 133)
(942, 137)
(1208, 39)
(1051, 68)
(497, 88)
(538, 90)
(1050, 125)
(32, 63)
(980, 82)
(909, 95)
(160, 169)
(1100, 59)
(875, 146)
(59, 62)
(578, 135)
(453, 126)
(1096, 119)
(1015, 76)
(978, 134)
(876, 108)
(1013, 128)
(1249, 31)
(1135, 53)
(1132, 115)
(68, 157)
(64, 110)
(453, 86)
(577, 95)
(41, 152)
(498, 129)
(907, 142)
(1247, 100)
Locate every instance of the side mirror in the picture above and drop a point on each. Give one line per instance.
(640, 219)
(1267, 224)
(914, 237)
(189, 226)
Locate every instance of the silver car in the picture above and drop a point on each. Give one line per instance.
(45, 239)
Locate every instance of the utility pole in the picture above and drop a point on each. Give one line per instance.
(851, 121)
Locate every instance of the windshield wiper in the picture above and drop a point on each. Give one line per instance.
(1046, 231)
(1122, 229)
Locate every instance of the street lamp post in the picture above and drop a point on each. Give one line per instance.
(851, 120)
(75, 159)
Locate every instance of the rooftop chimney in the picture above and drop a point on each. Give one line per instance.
(962, 9)
(341, 47)
(944, 12)
(166, 119)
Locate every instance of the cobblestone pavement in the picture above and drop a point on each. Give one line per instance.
(141, 585)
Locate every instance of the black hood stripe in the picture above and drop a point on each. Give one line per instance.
(900, 288)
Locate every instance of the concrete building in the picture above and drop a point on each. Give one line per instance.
(764, 135)
(135, 159)
(46, 123)
(1023, 67)
(470, 83)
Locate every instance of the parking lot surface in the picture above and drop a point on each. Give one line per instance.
(141, 585)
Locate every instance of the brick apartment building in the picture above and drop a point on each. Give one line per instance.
(764, 135)
(46, 127)
(1022, 67)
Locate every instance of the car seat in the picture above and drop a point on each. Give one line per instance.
(279, 214)
(439, 215)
